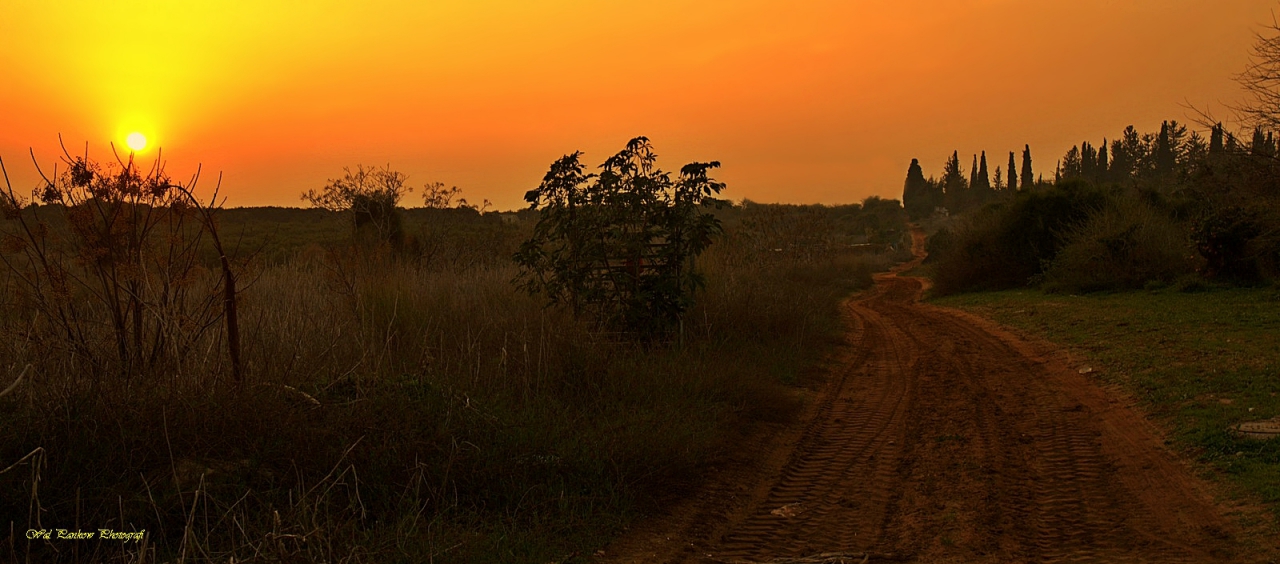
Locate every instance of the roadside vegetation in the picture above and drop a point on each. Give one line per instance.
(1155, 255)
(1167, 208)
(399, 398)
(1165, 277)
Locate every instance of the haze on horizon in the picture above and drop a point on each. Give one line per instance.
(826, 103)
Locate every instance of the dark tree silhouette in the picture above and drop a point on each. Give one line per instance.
(1071, 165)
(1013, 174)
(973, 173)
(1088, 161)
(953, 182)
(1128, 153)
(371, 195)
(1103, 170)
(916, 196)
(1165, 155)
(618, 246)
(1263, 144)
(984, 179)
(1027, 175)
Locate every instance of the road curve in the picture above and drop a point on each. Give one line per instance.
(942, 437)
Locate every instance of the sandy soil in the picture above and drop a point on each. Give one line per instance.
(943, 437)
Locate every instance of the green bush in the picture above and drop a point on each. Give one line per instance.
(619, 247)
(1006, 245)
(1127, 244)
(1240, 243)
(939, 245)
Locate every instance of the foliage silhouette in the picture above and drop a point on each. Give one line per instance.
(370, 195)
(1027, 175)
(618, 246)
(1013, 174)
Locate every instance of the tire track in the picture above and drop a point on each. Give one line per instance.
(844, 466)
(940, 437)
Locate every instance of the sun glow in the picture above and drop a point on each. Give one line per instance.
(827, 102)
(136, 141)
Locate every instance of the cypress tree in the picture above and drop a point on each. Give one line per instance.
(1102, 171)
(953, 184)
(998, 180)
(915, 192)
(1088, 162)
(1027, 175)
(984, 180)
(1013, 173)
(1121, 163)
(973, 173)
(1165, 159)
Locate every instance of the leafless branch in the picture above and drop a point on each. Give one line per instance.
(14, 385)
(1261, 80)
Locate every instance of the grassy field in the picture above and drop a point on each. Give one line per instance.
(406, 408)
(1197, 361)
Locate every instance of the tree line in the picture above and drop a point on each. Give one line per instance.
(923, 196)
(1175, 157)
(1141, 209)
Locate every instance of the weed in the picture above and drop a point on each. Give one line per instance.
(418, 409)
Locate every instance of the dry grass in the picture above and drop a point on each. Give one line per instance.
(402, 410)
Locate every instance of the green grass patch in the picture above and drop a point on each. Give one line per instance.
(1198, 363)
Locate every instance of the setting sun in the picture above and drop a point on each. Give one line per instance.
(824, 103)
(668, 281)
(136, 141)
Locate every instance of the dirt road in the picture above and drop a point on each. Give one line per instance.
(941, 437)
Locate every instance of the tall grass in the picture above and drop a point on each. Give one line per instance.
(414, 410)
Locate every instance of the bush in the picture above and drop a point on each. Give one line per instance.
(1191, 284)
(619, 246)
(1007, 245)
(1125, 245)
(371, 195)
(939, 245)
(1240, 243)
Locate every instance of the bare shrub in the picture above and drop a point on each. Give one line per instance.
(107, 273)
(371, 195)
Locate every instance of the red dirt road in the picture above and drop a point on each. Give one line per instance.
(941, 437)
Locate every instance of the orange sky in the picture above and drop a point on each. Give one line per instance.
(812, 101)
